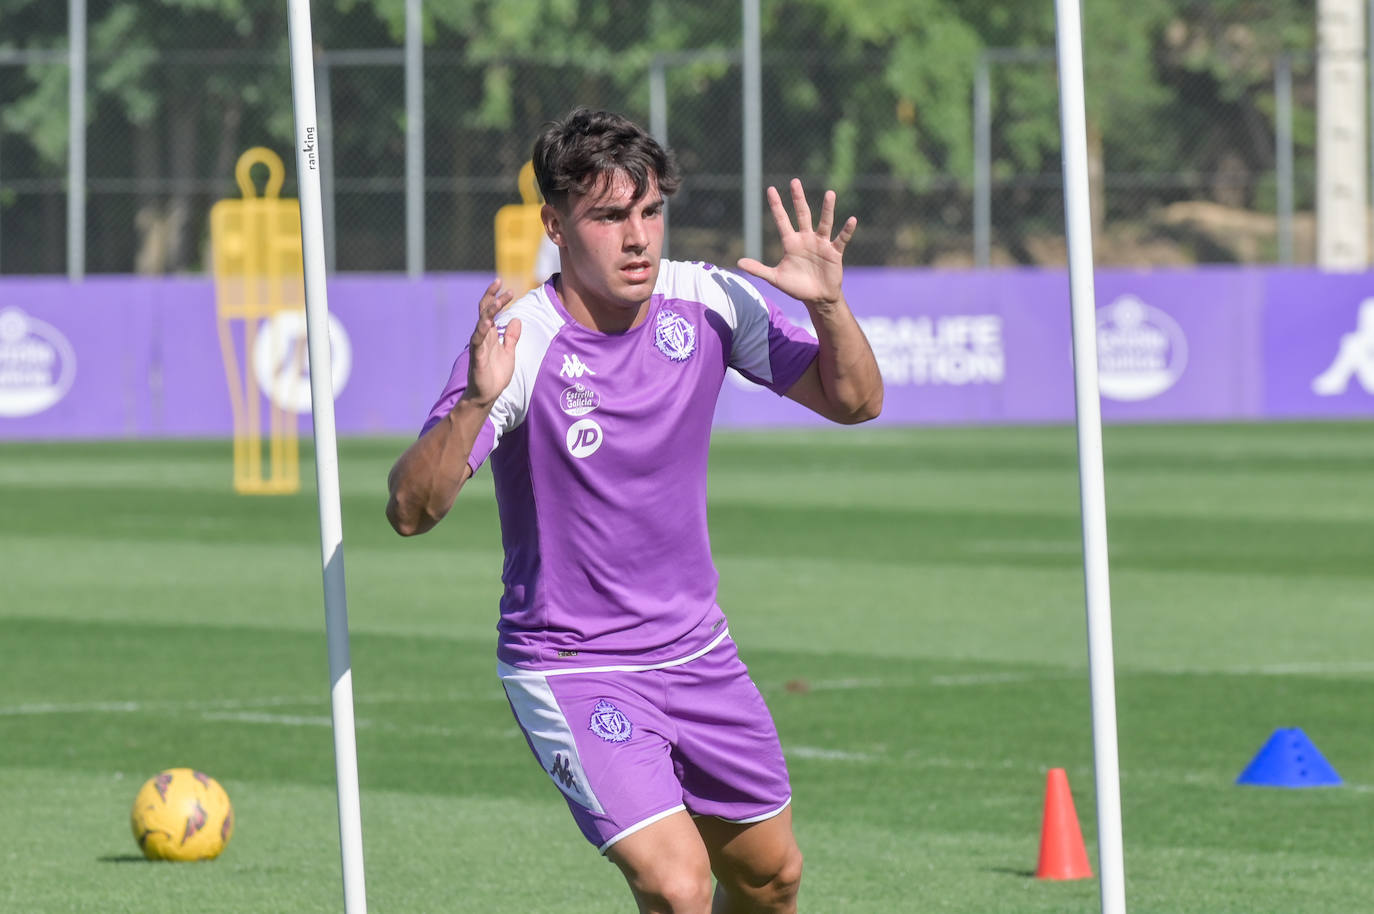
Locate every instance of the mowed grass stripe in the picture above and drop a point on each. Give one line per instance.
(422, 853)
(925, 676)
(441, 729)
(252, 584)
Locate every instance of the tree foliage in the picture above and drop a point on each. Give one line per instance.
(873, 92)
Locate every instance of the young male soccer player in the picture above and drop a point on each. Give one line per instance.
(593, 397)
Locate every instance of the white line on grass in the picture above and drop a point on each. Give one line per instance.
(226, 704)
(828, 755)
(132, 707)
(977, 679)
(259, 717)
(879, 683)
(1027, 546)
(1333, 667)
(237, 711)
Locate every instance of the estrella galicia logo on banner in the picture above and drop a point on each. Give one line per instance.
(1141, 351)
(37, 364)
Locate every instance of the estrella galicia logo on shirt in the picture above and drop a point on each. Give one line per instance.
(578, 400)
(610, 723)
(674, 336)
(584, 437)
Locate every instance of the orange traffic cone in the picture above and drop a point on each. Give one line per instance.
(1062, 855)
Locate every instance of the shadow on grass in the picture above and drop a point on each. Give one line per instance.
(1008, 871)
(123, 858)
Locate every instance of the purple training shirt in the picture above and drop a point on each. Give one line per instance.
(599, 449)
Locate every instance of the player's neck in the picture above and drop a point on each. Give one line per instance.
(601, 316)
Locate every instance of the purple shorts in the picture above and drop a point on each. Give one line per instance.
(629, 746)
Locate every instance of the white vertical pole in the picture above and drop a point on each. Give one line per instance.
(415, 142)
(658, 117)
(324, 92)
(1342, 200)
(1078, 220)
(982, 162)
(753, 130)
(326, 457)
(1283, 152)
(76, 140)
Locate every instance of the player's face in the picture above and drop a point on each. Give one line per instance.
(609, 244)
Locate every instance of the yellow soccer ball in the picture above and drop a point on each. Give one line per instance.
(182, 814)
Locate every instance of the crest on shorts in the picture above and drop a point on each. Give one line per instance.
(609, 723)
(674, 336)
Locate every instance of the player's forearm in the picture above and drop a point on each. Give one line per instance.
(849, 376)
(427, 478)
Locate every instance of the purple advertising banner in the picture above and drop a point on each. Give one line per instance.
(122, 357)
(1319, 345)
(996, 347)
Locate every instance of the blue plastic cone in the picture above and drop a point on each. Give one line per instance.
(1289, 760)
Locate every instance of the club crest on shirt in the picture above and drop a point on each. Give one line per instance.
(674, 336)
(578, 400)
(609, 723)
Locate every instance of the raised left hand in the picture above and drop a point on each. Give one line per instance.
(812, 262)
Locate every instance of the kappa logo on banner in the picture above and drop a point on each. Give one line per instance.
(584, 437)
(1354, 358)
(281, 359)
(574, 367)
(1141, 351)
(37, 364)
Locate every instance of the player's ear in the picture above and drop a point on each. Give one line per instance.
(553, 224)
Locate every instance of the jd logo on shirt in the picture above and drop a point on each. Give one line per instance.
(584, 437)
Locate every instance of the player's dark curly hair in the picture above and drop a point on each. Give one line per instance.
(577, 154)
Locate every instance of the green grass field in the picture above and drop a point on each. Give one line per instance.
(926, 584)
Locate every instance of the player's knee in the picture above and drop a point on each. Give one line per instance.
(782, 888)
(773, 888)
(790, 873)
(676, 891)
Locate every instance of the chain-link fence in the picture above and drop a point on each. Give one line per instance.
(941, 135)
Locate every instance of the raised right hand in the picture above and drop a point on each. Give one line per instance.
(491, 352)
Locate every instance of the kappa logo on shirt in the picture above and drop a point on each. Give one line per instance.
(574, 367)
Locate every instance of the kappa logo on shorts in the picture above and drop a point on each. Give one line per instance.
(674, 336)
(609, 723)
(562, 771)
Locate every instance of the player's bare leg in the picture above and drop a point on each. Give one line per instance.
(758, 866)
(667, 867)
